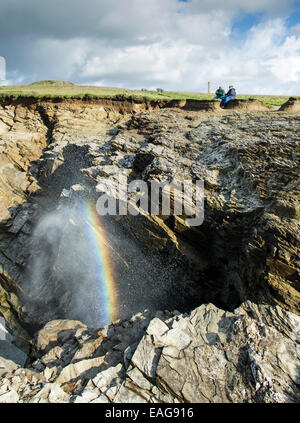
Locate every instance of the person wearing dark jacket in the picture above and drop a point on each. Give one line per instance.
(220, 93)
(230, 95)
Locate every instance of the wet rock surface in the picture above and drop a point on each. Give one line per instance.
(247, 249)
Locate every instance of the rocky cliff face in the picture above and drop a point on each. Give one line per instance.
(247, 249)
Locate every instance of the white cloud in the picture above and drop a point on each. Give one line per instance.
(67, 55)
(2, 69)
(268, 62)
(285, 65)
(134, 44)
(272, 7)
(295, 30)
(156, 62)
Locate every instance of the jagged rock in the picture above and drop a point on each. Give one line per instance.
(240, 190)
(9, 397)
(88, 367)
(50, 393)
(18, 151)
(58, 331)
(6, 366)
(246, 248)
(108, 378)
(250, 355)
(9, 351)
(89, 396)
(226, 350)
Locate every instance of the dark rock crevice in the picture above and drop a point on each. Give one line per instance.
(240, 252)
(49, 123)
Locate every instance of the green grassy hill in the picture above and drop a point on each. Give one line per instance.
(52, 83)
(64, 89)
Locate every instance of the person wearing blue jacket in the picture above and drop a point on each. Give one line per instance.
(230, 95)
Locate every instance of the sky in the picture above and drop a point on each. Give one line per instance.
(176, 45)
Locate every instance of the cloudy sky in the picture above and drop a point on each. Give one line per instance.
(173, 44)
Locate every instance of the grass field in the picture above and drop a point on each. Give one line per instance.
(49, 89)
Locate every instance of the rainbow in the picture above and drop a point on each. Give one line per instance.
(103, 265)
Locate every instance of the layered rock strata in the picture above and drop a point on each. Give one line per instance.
(246, 249)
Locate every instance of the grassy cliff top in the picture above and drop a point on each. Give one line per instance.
(64, 89)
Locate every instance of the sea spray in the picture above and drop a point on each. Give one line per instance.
(62, 280)
(87, 268)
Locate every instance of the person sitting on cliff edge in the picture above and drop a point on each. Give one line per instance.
(220, 93)
(230, 95)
